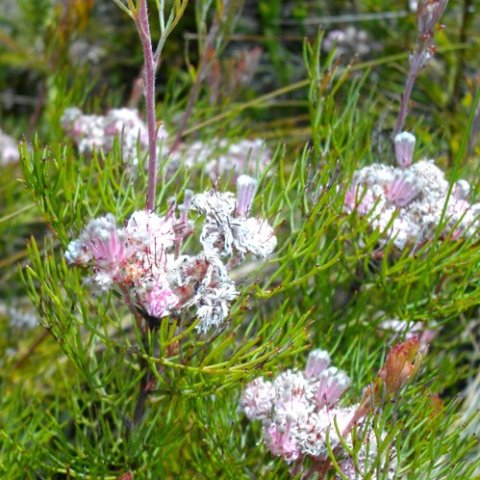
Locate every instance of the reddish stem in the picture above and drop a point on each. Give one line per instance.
(407, 93)
(143, 28)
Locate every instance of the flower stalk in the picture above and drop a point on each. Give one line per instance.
(143, 27)
(428, 15)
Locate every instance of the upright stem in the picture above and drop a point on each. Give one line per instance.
(467, 19)
(143, 28)
(407, 93)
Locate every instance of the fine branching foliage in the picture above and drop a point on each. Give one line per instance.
(219, 352)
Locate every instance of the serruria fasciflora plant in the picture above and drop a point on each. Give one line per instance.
(214, 307)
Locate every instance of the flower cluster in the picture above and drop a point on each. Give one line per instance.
(142, 260)
(301, 417)
(8, 149)
(349, 42)
(408, 203)
(20, 314)
(223, 159)
(428, 16)
(218, 158)
(397, 328)
(98, 132)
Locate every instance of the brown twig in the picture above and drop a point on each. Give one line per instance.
(31, 350)
(148, 381)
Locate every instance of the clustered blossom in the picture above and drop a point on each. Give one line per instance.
(301, 417)
(143, 261)
(20, 314)
(219, 158)
(401, 328)
(406, 203)
(8, 150)
(349, 42)
(99, 132)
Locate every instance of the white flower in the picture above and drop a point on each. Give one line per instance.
(404, 147)
(214, 203)
(318, 361)
(292, 384)
(8, 150)
(152, 231)
(254, 235)
(257, 399)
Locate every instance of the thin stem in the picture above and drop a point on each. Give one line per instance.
(407, 93)
(148, 381)
(31, 349)
(143, 28)
(467, 19)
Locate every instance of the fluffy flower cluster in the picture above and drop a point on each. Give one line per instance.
(98, 132)
(218, 159)
(398, 329)
(349, 42)
(8, 149)
(20, 314)
(301, 416)
(407, 203)
(142, 260)
(222, 159)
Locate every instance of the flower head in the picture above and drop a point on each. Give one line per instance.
(257, 399)
(404, 148)
(403, 361)
(246, 189)
(403, 190)
(318, 361)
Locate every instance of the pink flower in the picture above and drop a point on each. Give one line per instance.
(403, 190)
(281, 443)
(332, 384)
(257, 399)
(404, 147)
(246, 188)
(318, 361)
(159, 301)
(108, 251)
(362, 202)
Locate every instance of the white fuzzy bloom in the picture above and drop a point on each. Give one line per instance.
(404, 148)
(77, 253)
(20, 314)
(318, 361)
(291, 384)
(213, 305)
(254, 235)
(8, 150)
(349, 42)
(152, 231)
(257, 399)
(297, 426)
(246, 189)
(461, 190)
(322, 427)
(222, 159)
(213, 203)
(410, 201)
(99, 132)
(217, 235)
